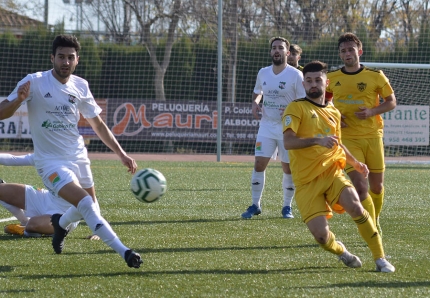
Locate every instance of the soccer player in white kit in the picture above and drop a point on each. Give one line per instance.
(278, 85)
(37, 206)
(33, 207)
(55, 100)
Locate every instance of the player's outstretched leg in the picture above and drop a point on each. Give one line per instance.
(133, 259)
(59, 234)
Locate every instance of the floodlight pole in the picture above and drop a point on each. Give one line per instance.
(45, 16)
(219, 75)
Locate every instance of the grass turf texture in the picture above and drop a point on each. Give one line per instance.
(194, 243)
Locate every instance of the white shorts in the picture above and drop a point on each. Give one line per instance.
(41, 202)
(267, 147)
(56, 174)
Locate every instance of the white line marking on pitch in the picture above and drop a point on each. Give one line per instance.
(7, 219)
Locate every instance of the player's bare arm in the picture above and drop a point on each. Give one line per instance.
(358, 166)
(8, 108)
(256, 109)
(388, 104)
(104, 133)
(291, 141)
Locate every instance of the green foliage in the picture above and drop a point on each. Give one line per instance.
(120, 71)
(126, 72)
(90, 64)
(178, 80)
(194, 243)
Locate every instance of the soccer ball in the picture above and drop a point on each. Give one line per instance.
(148, 185)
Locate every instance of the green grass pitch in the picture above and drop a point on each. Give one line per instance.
(194, 243)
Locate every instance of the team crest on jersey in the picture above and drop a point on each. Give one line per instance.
(54, 178)
(361, 86)
(72, 99)
(282, 85)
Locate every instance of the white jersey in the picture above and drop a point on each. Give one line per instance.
(53, 113)
(278, 91)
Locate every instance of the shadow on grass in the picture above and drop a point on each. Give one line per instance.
(6, 269)
(307, 270)
(196, 220)
(196, 249)
(20, 291)
(304, 270)
(374, 284)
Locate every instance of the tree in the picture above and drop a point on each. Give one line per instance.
(161, 12)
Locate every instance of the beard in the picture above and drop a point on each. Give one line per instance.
(314, 94)
(63, 74)
(280, 61)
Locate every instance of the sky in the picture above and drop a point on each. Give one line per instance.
(57, 12)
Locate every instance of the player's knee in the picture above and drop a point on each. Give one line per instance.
(32, 227)
(362, 192)
(321, 238)
(377, 189)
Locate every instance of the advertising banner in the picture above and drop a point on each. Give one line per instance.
(17, 126)
(180, 121)
(141, 120)
(407, 125)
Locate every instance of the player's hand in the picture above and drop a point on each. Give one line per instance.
(256, 110)
(364, 113)
(93, 237)
(130, 163)
(342, 123)
(281, 111)
(329, 141)
(362, 168)
(23, 91)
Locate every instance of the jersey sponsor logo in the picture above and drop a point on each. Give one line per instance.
(57, 125)
(361, 86)
(264, 84)
(54, 178)
(338, 84)
(72, 99)
(47, 95)
(282, 85)
(314, 115)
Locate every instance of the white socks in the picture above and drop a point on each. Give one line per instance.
(17, 212)
(288, 188)
(99, 225)
(257, 186)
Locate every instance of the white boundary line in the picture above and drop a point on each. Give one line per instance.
(7, 219)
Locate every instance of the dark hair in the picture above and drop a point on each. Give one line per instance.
(65, 41)
(315, 66)
(349, 37)
(294, 48)
(281, 39)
